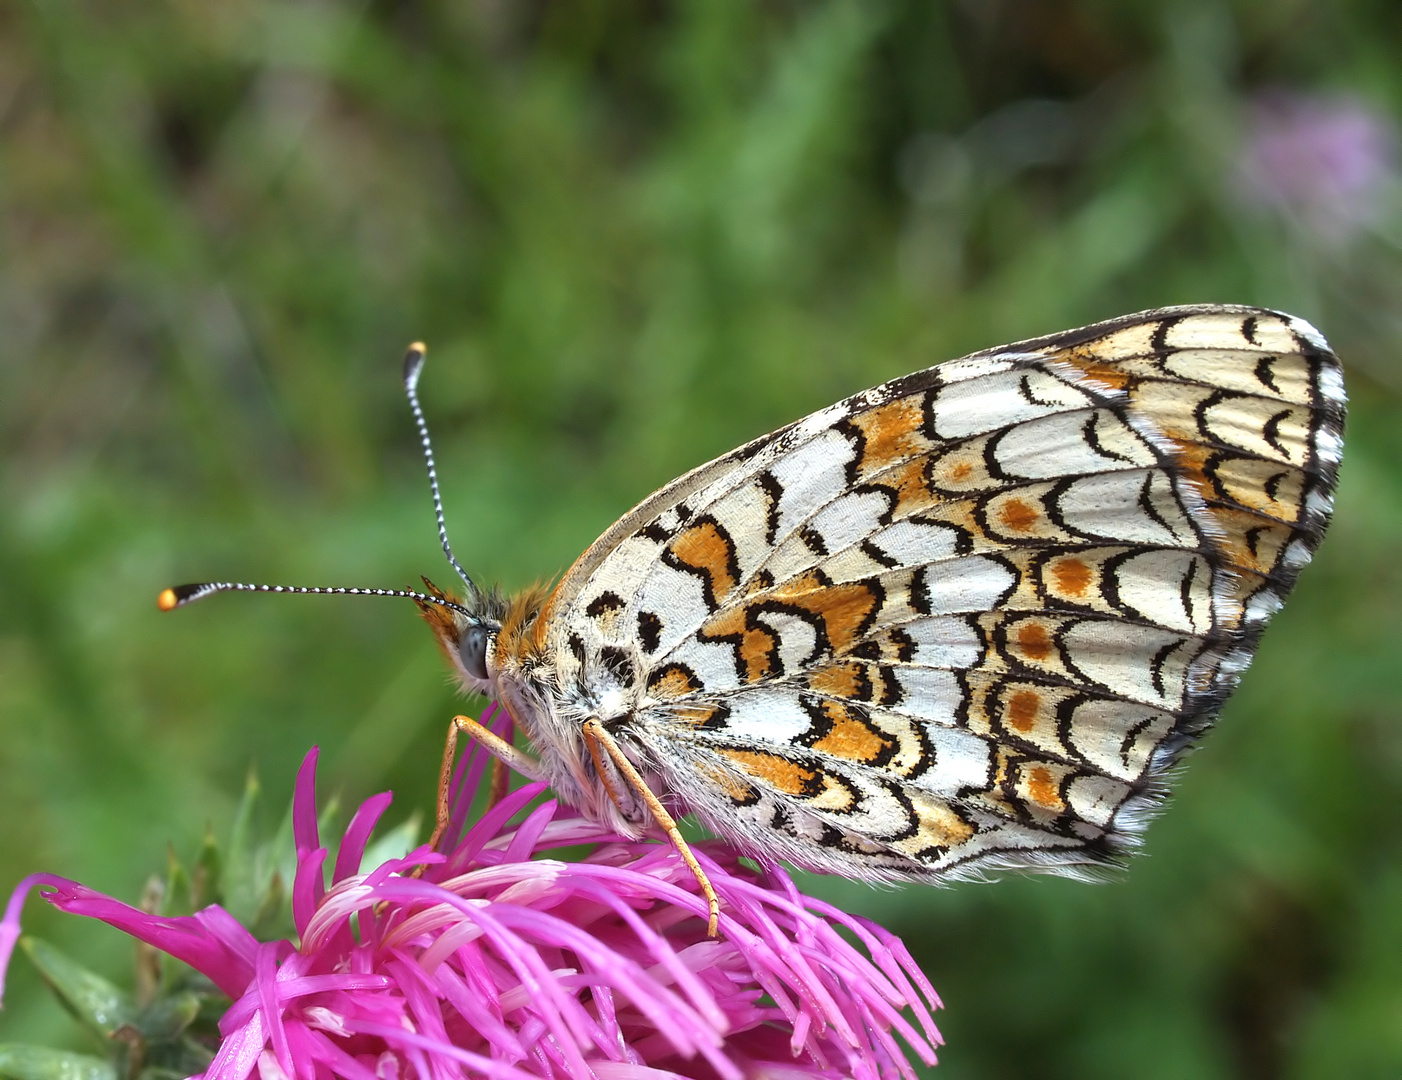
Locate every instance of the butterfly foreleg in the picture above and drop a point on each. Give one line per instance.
(595, 736)
(506, 757)
(592, 743)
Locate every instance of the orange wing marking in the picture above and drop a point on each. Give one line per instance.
(1022, 710)
(1072, 576)
(705, 550)
(846, 610)
(673, 681)
(847, 680)
(1041, 789)
(1034, 641)
(756, 646)
(851, 738)
(891, 433)
(939, 826)
(1017, 515)
(1089, 366)
(779, 773)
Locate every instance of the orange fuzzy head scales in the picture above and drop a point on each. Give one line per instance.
(509, 620)
(521, 631)
(446, 623)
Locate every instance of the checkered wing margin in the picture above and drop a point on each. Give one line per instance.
(969, 618)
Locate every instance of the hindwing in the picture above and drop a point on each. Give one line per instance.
(968, 618)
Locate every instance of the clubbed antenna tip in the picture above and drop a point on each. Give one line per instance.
(180, 595)
(414, 364)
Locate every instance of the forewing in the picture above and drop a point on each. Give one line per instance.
(967, 619)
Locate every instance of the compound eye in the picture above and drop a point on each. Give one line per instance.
(472, 650)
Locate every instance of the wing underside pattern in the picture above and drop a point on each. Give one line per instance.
(967, 619)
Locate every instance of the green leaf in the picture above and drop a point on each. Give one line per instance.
(155, 1072)
(89, 997)
(244, 877)
(19, 1062)
(179, 898)
(167, 1017)
(207, 884)
(273, 919)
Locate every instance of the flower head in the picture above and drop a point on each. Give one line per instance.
(501, 961)
(1322, 162)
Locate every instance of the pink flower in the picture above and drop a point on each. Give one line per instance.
(1322, 162)
(503, 962)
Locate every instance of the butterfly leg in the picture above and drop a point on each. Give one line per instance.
(497, 785)
(596, 733)
(614, 796)
(502, 751)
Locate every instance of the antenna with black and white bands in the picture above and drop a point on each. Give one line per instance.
(180, 595)
(413, 366)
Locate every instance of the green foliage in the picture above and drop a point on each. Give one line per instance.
(154, 1041)
(168, 1027)
(635, 235)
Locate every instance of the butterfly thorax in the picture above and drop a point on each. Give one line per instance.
(549, 706)
(552, 716)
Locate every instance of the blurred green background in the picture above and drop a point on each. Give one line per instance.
(634, 235)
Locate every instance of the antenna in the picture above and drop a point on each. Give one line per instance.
(413, 367)
(180, 595)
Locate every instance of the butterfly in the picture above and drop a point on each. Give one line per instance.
(965, 621)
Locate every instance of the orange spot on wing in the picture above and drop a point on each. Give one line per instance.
(671, 683)
(1041, 788)
(806, 582)
(1269, 536)
(1022, 710)
(726, 623)
(1017, 515)
(704, 548)
(959, 469)
(1072, 576)
(735, 789)
(851, 738)
(892, 433)
(759, 652)
(1192, 457)
(839, 680)
(692, 716)
(939, 826)
(758, 647)
(1034, 641)
(1111, 378)
(912, 490)
(776, 772)
(847, 614)
(846, 610)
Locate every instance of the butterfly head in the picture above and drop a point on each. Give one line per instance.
(467, 633)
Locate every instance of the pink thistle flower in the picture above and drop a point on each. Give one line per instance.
(1321, 162)
(503, 962)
